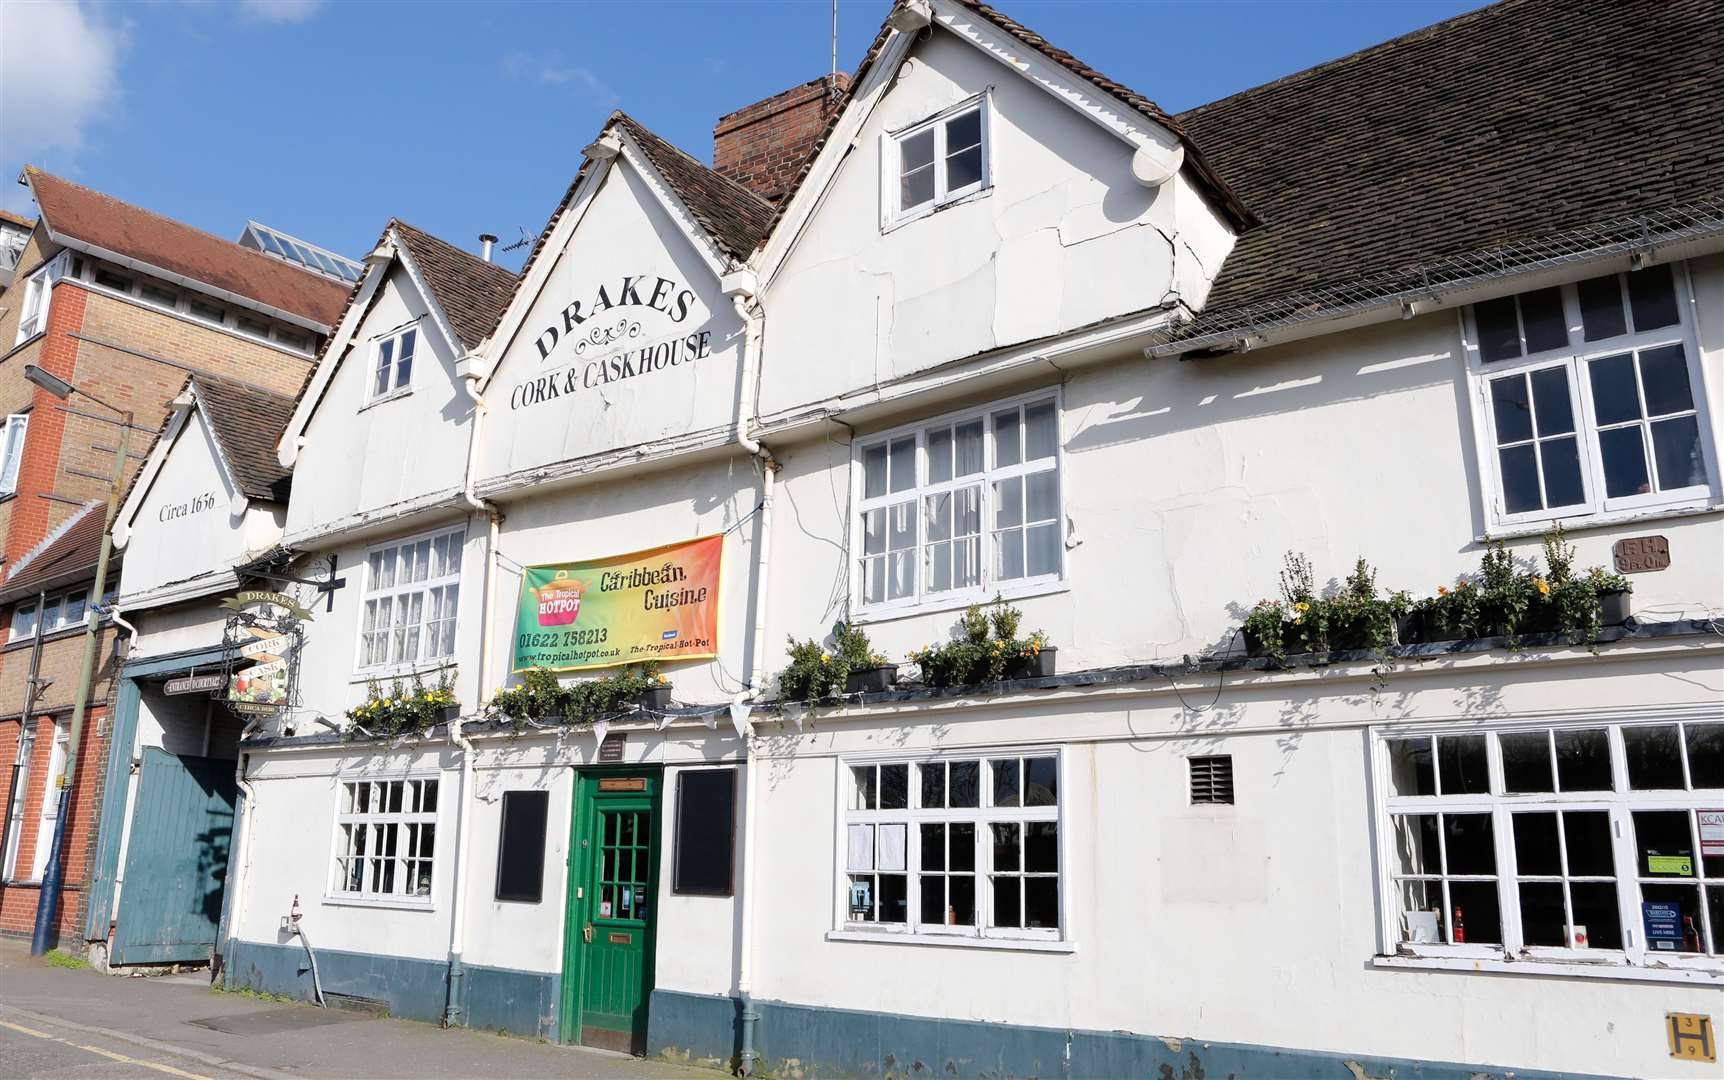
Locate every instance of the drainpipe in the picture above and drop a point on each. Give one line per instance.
(239, 858)
(740, 286)
(18, 762)
(455, 1005)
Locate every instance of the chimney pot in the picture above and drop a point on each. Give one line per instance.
(486, 240)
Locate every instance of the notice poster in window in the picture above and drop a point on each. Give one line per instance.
(1711, 833)
(659, 604)
(1663, 926)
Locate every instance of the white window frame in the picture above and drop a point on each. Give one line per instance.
(38, 297)
(892, 213)
(60, 604)
(22, 759)
(393, 339)
(12, 442)
(985, 814)
(49, 812)
(423, 658)
(922, 600)
(1631, 961)
(1574, 358)
(368, 895)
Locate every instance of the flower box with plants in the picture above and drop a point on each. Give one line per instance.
(1356, 618)
(987, 649)
(1502, 600)
(404, 709)
(542, 699)
(816, 673)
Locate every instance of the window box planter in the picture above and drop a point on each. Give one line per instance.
(1615, 608)
(1409, 629)
(871, 680)
(1433, 628)
(657, 699)
(1039, 666)
(447, 715)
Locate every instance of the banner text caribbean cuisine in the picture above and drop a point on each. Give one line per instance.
(660, 604)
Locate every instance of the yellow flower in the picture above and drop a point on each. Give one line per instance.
(1302, 607)
(1442, 590)
(825, 658)
(1543, 585)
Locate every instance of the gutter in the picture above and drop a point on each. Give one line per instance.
(741, 286)
(468, 371)
(97, 251)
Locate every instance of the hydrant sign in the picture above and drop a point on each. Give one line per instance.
(659, 604)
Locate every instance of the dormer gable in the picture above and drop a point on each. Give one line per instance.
(621, 332)
(980, 189)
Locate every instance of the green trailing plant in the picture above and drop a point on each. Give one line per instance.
(816, 672)
(987, 649)
(542, 698)
(410, 708)
(1502, 599)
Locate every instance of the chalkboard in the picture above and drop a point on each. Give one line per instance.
(521, 846)
(705, 832)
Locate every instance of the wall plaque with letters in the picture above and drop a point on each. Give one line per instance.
(1641, 554)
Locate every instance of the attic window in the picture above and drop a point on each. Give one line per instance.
(1212, 780)
(392, 368)
(938, 162)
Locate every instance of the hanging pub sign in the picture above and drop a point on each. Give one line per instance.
(263, 633)
(660, 604)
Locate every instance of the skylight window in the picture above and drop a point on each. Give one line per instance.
(291, 249)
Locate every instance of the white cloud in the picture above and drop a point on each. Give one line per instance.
(551, 71)
(280, 11)
(59, 67)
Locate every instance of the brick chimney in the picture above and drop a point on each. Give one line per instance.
(764, 145)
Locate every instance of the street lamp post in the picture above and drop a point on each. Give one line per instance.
(48, 902)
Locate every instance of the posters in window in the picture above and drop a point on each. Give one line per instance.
(658, 604)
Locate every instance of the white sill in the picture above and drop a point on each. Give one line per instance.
(899, 220)
(401, 671)
(1616, 970)
(393, 395)
(394, 903)
(957, 602)
(1042, 945)
(1521, 529)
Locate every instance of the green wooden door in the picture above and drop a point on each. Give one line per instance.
(608, 958)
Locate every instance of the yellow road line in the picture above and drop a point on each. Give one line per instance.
(169, 1069)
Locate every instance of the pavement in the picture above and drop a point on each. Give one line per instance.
(75, 1024)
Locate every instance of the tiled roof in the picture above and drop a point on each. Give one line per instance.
(79, 213)
(1237, 211)
(735, 217)
(1514, 122)
(17, 219)
(247, 423)
(471, 291)
(717, 202)
(71, 549)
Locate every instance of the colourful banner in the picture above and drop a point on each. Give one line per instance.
(660, 604)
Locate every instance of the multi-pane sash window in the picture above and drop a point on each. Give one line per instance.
(962, 507)
(412, 599)
(386, 838)
(56, 613)
(1591, 398)
(939, 161)
(966, 846)
(12, 451)
(1598, 842)
(38, 293)
(392, 368)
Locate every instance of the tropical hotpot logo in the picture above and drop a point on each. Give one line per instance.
(559, 600)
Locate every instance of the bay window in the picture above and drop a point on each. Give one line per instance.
(957, 509)
(1596, 842)
(38, 294)
(1590, 399)
(959, 847)
(412, 600)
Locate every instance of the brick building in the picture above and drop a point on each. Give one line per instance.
(123, 304)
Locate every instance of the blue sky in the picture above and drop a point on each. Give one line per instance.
(324, 119)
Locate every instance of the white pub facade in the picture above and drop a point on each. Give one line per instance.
(1014, 332)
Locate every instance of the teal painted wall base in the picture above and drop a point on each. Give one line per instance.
(800, 1040)
(498, 999)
